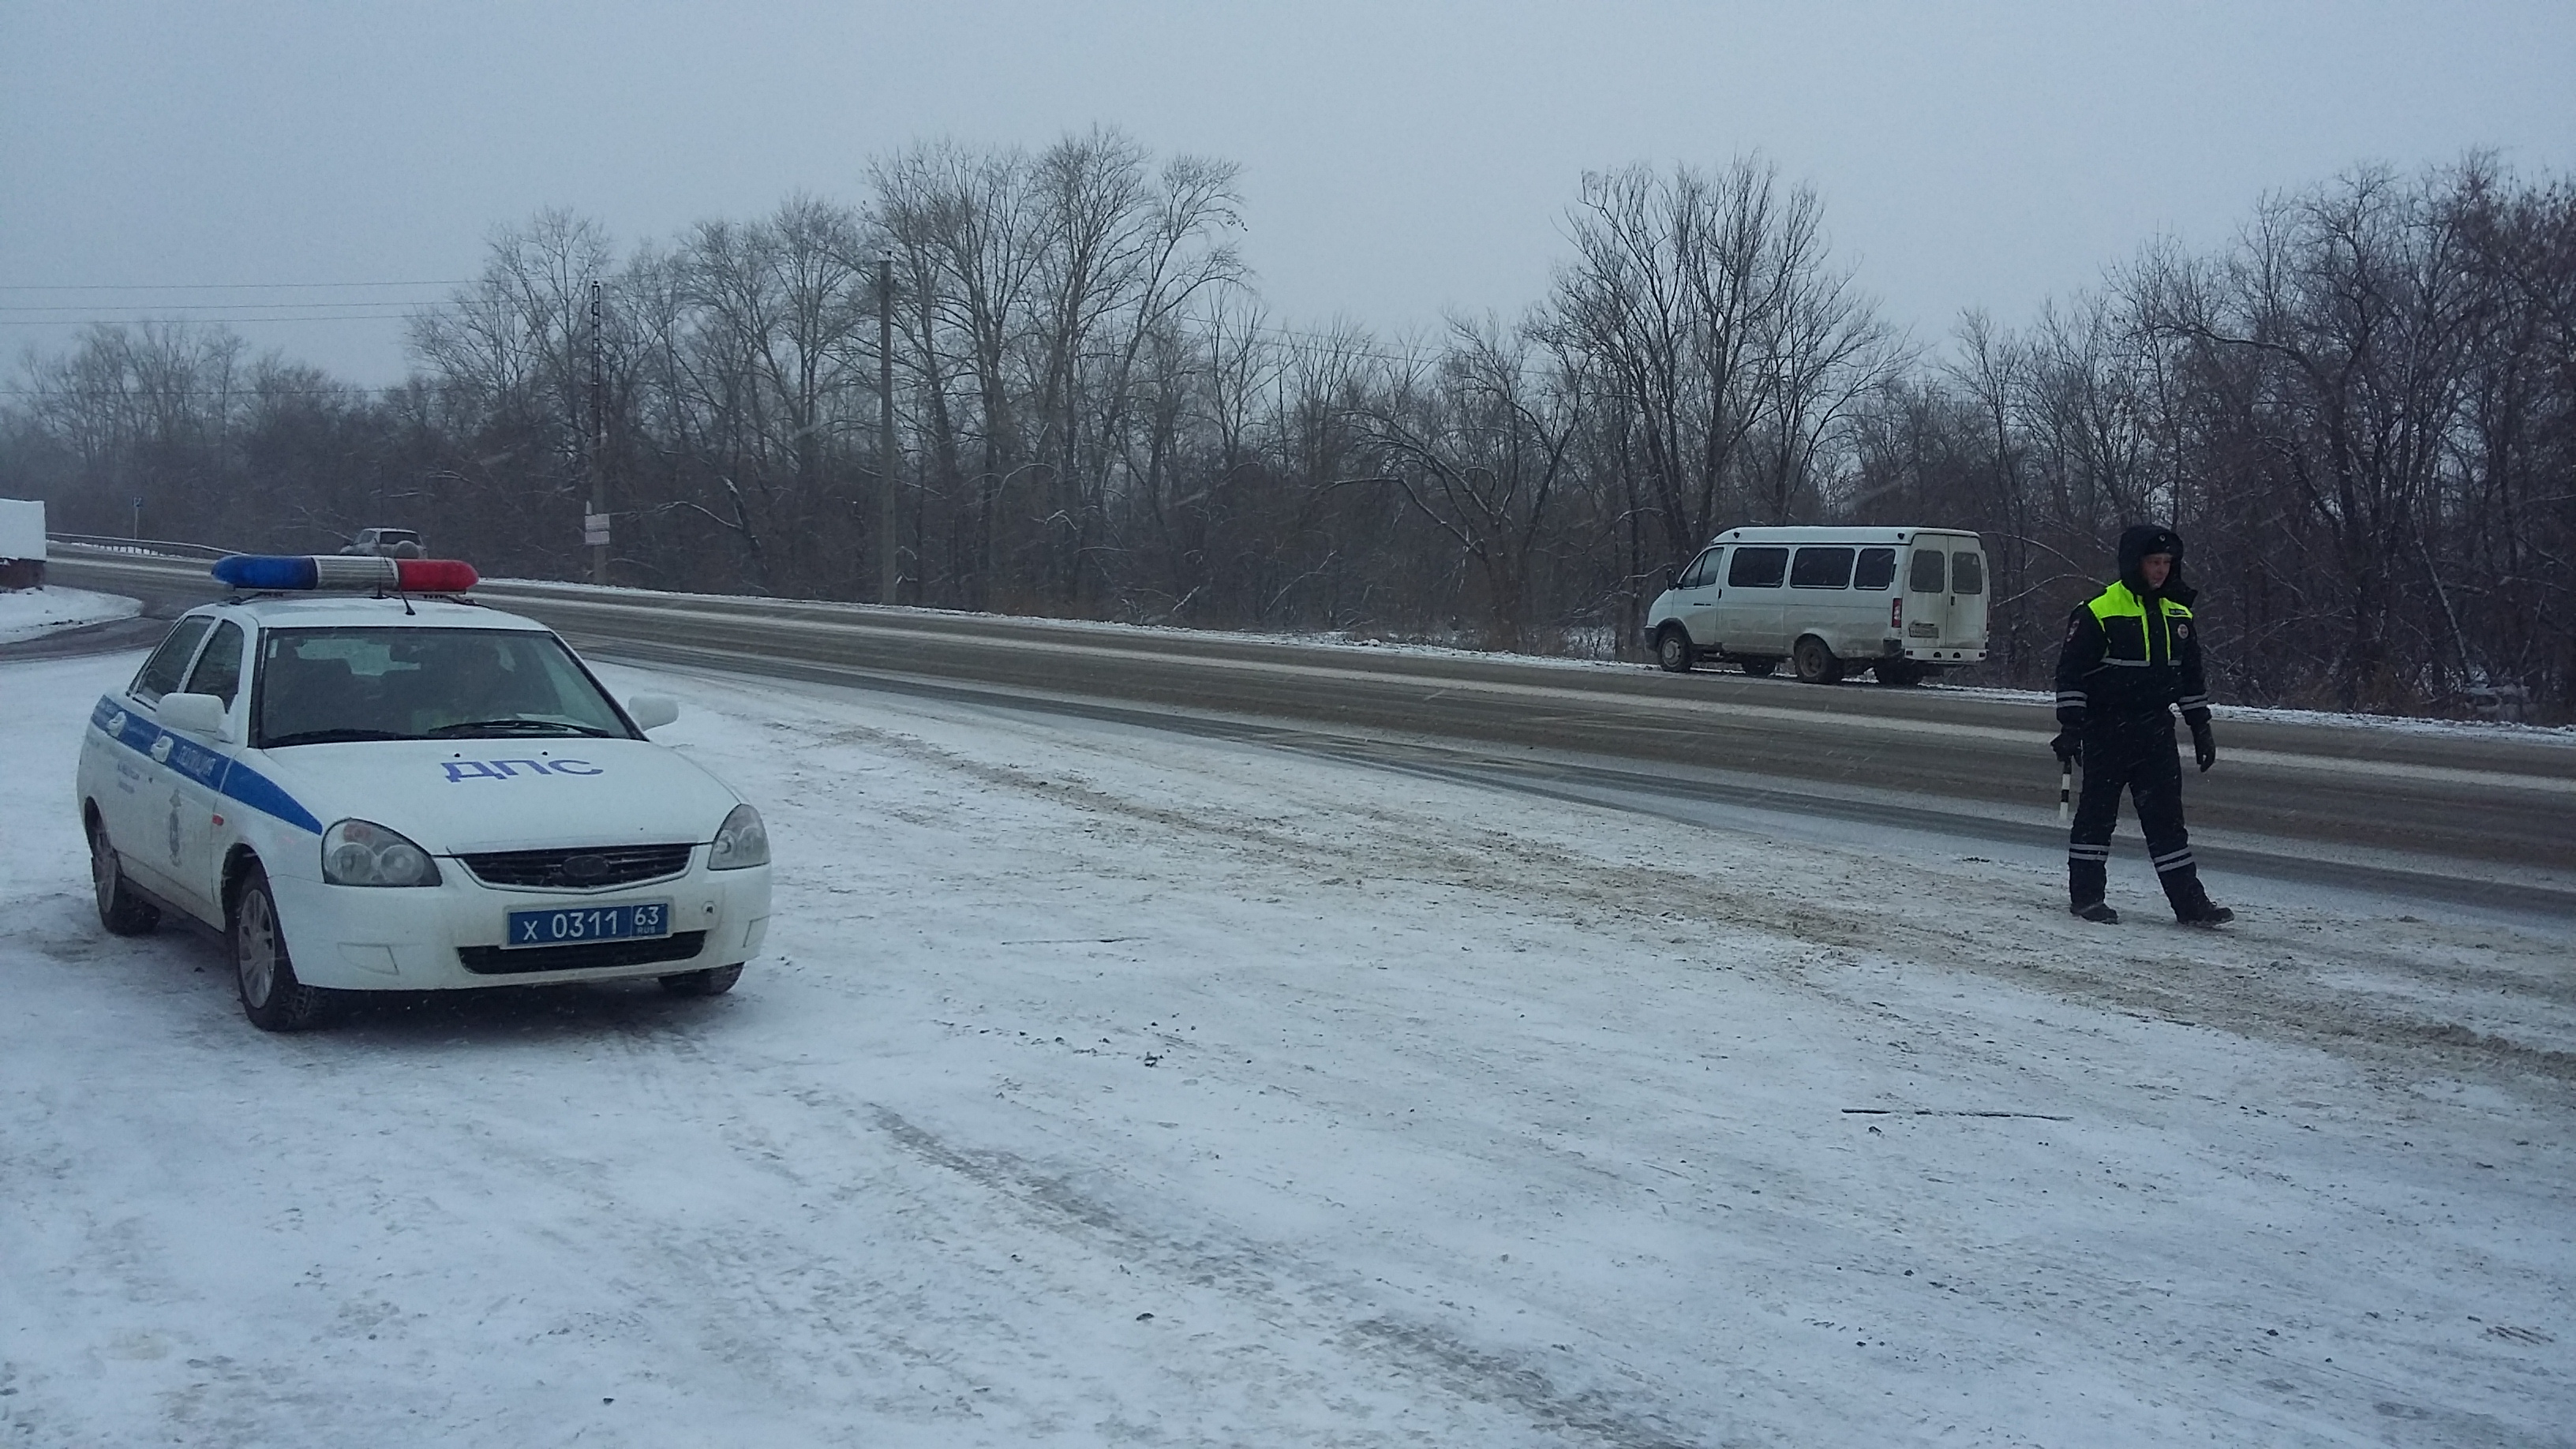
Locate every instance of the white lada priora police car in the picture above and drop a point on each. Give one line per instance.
(406, 793)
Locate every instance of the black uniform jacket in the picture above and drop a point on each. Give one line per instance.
(2129, 655)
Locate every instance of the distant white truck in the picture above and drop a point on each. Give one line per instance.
(1902, 602)
(22, 543)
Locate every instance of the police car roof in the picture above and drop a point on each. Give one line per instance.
(343, 611)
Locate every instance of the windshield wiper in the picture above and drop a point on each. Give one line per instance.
(514, 727)
(331, 737)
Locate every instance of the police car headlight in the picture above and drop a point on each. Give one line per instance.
(361, 853)
(741, 842)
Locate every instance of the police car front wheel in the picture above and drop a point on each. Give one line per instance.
(120, 910)
(270, 995)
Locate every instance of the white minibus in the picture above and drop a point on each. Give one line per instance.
(1903, 602)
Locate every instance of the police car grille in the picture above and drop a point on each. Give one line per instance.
(584, 869)
(588, 956)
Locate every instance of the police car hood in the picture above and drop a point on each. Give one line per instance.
(460, 796)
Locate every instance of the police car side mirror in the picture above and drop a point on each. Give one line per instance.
(192, 714)
(652, 711)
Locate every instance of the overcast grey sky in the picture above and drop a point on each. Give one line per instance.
(1399, 159)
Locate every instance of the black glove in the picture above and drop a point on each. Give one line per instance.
(2067, 746)
(2204, 745)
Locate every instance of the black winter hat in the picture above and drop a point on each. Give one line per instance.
(2146, 538)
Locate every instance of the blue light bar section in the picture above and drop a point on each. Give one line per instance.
(265, 571)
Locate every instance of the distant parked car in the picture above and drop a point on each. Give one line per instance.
(385, 543)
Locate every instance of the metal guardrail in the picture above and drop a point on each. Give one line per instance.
(150, 547)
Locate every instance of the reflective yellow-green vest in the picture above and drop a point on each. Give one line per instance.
(2139, 639)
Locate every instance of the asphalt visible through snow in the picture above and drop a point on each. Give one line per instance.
(2469, 816)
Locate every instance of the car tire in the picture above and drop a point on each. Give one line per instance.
(1674, 649)
(1759, 668)
(263, 971)
(1899, 672)
(120, 909)
(714, 981)
(1815, 661)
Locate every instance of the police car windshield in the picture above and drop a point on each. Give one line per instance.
(324, 686)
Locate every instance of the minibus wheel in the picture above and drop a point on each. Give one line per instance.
(1674, 650)
(1816, 662)
(1759, 668)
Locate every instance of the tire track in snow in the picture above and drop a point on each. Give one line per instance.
(1426, 1351)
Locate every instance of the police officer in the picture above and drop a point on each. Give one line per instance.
(2133, 653)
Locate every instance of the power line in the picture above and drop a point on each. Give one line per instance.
(94, 321)
(219, 286)
(215, 306)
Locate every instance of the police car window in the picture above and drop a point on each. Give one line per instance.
(218, 670)
(1757, 568)
(1702, 571)
(1967, 573)
(1928, 571)
(321, 686)
(162, 672)
(1821, 568)
(1877, 569)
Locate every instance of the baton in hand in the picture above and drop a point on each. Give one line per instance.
(2065, 787)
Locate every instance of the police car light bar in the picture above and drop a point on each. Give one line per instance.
(329, 571)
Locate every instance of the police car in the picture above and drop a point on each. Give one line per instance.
(367, 782)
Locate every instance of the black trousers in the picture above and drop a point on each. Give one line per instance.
(2133, 753)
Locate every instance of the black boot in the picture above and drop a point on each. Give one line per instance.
(2099, 912)
(2192, 905)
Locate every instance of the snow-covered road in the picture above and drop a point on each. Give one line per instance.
(33, 613)
(1105, 1086)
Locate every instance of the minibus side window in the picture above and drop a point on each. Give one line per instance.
(1821, 568)
(1928, 571)
(1757, 568)
(1967, 573)
(1702, 571)
(1876, 571)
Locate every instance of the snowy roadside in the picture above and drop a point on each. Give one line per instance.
(31, 613)
(1113, 1086)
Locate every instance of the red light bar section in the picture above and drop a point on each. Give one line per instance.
(433, 576)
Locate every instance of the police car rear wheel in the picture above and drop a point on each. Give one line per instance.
(270, 995)
(120, 910)
(714, 981)
(1674, 650)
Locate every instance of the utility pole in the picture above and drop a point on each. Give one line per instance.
(594, 526)
(889, 569)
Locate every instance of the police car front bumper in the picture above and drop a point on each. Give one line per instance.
(451, 935)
